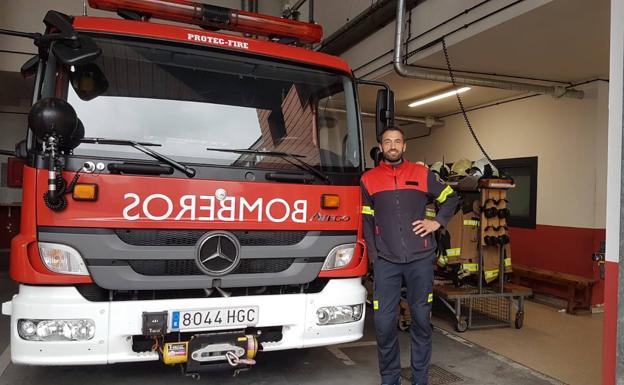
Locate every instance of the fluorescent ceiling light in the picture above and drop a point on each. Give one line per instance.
(438, 97)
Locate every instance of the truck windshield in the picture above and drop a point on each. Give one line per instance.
(189, 99)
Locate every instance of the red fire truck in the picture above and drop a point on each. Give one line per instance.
(189, 195)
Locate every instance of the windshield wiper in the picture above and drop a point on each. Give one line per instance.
(284, 155)
(142, 146)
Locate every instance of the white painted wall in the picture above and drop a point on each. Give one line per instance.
(568, 136)
(614, 172)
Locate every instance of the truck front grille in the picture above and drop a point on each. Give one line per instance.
(166, 267)
(94, 293)
(156, 237)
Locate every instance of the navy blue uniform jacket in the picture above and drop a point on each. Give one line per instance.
(392, 198)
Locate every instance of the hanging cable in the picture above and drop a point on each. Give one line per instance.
(461, 104)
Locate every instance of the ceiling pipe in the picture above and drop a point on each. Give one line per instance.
(310, 11)
(428, 121)
(410, 71)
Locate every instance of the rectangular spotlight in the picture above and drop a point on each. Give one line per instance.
(438, 97)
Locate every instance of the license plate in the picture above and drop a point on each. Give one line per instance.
(203, 319)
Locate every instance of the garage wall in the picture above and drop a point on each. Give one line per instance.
(424, 17)
(569, 137)
(613, 346)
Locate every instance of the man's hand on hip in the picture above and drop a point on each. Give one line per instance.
(425, 227)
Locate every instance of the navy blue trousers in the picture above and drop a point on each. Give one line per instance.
(388, 279)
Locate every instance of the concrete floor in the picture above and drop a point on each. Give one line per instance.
(354, 363)
(564, 346)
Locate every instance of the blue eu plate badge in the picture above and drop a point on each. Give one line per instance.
(175, 321)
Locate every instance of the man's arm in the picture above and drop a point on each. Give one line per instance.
(445, 196)
(368, 223)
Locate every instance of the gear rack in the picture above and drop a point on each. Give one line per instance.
(490, 303)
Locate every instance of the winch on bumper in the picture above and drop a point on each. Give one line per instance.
(306, 320)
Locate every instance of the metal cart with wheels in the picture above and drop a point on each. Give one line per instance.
(488, 309)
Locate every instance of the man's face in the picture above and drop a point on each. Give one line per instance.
(392, 145)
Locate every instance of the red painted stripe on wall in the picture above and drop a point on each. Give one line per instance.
(610, 324)
(558, 248)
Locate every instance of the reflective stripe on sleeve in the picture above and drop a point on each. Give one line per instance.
(366, 210)
(448, 190)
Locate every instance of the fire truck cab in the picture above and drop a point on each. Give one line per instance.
(189, 195)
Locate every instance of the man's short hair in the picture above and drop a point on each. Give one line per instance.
(390, 128)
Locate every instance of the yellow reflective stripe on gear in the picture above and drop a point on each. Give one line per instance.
(471, 267)
(366, 210)
(430, 298)
(471, 222)
(442, 260)
(507, 262)
(430, 213)
(375, 305)
(491, 274)
(456, 252)
(448, 190)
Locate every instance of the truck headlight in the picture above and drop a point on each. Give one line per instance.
(332, 315)
(339, 256)
(62, 259)
(56, 329)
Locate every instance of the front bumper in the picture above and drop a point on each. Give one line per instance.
(117, 322)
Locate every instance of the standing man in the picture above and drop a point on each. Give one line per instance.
(402, 247)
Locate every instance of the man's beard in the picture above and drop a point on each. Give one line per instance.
(392, 157)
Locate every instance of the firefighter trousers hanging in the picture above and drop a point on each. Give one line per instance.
(418, 279)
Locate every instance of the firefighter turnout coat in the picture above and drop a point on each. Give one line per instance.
(393, 197)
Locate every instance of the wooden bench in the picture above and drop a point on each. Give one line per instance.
(578, 289)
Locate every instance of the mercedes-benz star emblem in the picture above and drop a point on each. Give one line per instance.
(218, 253)
(220, 194)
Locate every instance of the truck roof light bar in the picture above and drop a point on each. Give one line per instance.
(213, 17)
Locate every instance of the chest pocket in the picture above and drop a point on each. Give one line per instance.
(414, 184)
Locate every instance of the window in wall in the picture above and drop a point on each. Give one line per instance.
(522, 198)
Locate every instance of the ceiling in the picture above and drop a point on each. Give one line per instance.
(563, 41)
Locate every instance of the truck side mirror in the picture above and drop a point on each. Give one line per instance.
(88, 81)
(384, 114)
(86, 52)
(68, 47)
(376, 155)
(29, 69)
